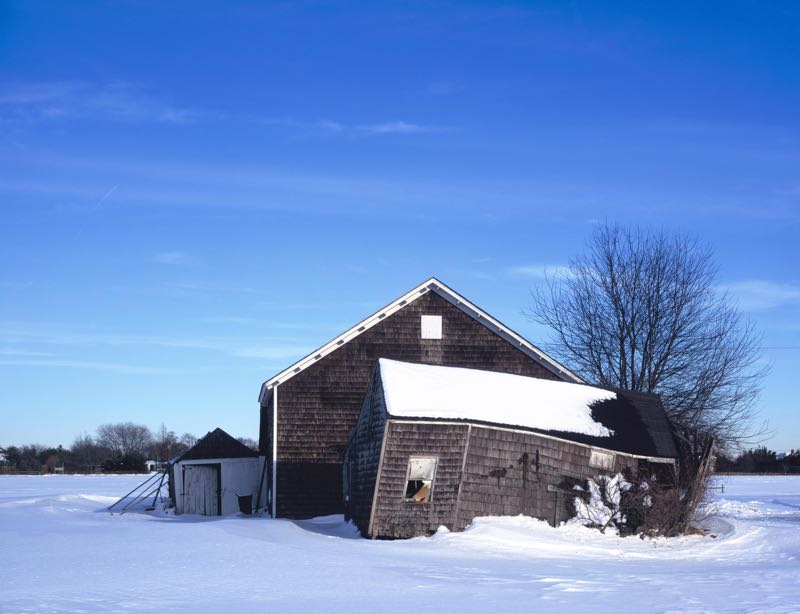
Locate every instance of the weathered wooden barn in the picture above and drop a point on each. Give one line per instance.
(309, 410)
(209, 478)
(439, 446)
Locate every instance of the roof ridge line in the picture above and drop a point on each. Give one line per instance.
(430, 284)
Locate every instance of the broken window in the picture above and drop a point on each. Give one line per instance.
(601, 460)
(419, 483)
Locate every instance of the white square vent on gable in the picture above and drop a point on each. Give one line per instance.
(431, 327)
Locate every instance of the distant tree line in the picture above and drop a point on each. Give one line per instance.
(121, 447)
(760, 460)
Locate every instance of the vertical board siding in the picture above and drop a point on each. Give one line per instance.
(320, 405)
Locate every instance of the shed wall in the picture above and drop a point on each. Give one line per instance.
(237, 476)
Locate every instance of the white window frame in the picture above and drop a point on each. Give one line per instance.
(411, 459)
(430, 327)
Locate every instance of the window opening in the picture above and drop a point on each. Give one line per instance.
(419, 483)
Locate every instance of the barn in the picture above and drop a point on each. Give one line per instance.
(210, 477)
(437, 446)
(309, 410)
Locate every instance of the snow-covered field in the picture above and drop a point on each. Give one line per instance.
(60, 551)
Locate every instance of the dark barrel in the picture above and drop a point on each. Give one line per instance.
(245, 504)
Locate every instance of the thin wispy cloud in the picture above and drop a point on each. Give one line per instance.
(173, 258)
(539, 271)
(762, 295)
(118, 101)
(148, 184)
(273, 352)
(15, 285)
(125, 101)
(333, 127)
(87, 364)
(106, 196)
(442, 88)
(202, 288)
(249, 346)
(7, 351)
(398, 127)
(227, 320)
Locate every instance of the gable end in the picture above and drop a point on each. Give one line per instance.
(431, 285)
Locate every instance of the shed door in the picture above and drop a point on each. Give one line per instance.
(200, 492)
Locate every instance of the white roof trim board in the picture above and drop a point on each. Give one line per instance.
(431, 285)
(453, 393)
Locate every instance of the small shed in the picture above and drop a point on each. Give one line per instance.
(438, 445)
(210, 477)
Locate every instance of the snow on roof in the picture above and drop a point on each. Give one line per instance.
(453, 393)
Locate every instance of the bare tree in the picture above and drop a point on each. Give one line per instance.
(642, 311)
(187, 441)
(124, 438)
(164, 445)
(86, 454)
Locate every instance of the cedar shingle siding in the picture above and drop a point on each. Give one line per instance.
(361, 467)
(396, 517)
(482, 470)
(318, 407)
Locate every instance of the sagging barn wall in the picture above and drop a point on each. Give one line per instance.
(512, 472)
(318, 407)
(363, 454)
(393, 515)
(481, 471)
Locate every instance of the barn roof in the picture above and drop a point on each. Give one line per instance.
(634, 423)
(454, 393)
(430, 285)
(217, 444)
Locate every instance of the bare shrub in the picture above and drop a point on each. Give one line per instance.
(653, 501)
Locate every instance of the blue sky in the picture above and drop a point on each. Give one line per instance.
(194, 196)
